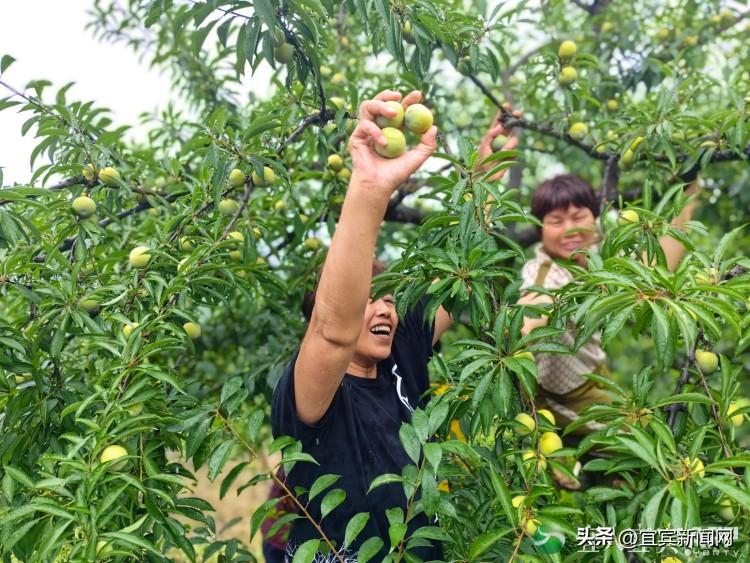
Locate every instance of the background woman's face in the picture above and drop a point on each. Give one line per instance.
(566, 230)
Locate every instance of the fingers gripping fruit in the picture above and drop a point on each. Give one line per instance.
(396, 143)
(417, 119)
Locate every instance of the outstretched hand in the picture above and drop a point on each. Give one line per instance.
(373, 171)
(485, 145)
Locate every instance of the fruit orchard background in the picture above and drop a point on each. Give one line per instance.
(72, 383)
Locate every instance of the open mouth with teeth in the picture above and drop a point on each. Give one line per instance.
(381, 330)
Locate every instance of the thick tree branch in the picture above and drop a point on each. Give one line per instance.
(608, 188)
(74, 181)
(594, 8)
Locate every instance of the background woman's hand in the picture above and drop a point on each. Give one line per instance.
(485, 145)
(373, 171)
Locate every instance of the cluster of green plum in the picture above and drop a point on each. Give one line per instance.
(416, 119)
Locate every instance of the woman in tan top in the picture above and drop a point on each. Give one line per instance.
(567, 207)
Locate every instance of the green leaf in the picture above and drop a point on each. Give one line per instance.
(19, 476)
(130, 539)
(396, 533)
(231, 476)
(332, 499)
(49, 538)
(17, 534)
(433, 453)
(321, 484)
(432, 533)
(354, 527)
(660, 332)
(684, 398)
(298, 456)
(385, 479)
(368, 549)
(503, 495)
(410, 441)
(306, 551)
(485, 542)
(650, 512)
(219, 458)
(197, 435)
(260, 515)
(645, 454)
(733, 492)
(5, 62)
(253, 425)
(600, 495)
(266, 11)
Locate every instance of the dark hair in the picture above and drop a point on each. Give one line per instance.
(308, 301)
(561, 192)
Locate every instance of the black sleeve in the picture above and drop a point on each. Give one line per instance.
(414, 338)
(418, 330)
(284, 419)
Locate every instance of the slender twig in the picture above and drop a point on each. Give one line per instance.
(715, 413)
(43, 108)
(249, 186)
(317, 118)
(302, 508)
(409, 506)
(522, 60)
(684, 378)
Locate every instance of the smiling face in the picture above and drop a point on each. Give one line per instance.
(566, 230)
(376, 337)
(566, 205)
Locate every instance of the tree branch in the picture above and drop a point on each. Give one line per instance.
(509, 120)
(608, 189)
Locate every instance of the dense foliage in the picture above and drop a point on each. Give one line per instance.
(96, 350)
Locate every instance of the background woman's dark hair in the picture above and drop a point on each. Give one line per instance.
(561, 192)
(308, 301)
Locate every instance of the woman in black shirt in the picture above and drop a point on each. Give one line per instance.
(360, 370)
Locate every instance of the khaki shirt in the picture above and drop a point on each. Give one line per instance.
(560, 373)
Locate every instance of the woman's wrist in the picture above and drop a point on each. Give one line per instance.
(369, 189)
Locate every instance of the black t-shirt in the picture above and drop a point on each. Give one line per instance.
(358, 439)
